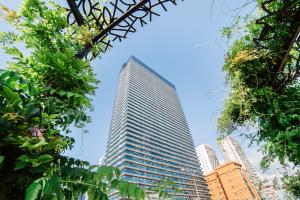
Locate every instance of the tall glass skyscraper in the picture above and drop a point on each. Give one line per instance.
(149, 137)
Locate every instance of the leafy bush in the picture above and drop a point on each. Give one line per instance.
(265, 88)
(42, 93)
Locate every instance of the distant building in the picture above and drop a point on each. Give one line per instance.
(101, 161)
(233, 151)
(207, 157)
(149, 138)
(229, 182)
(269, 191)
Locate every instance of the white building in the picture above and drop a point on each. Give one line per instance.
(101, 161)
(269, 191)
(233, 151)
(207, 157)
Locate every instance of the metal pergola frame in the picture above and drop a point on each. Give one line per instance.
(118, 18)
(115, 20)
(286, 64)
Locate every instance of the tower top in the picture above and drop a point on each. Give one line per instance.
(135, 59)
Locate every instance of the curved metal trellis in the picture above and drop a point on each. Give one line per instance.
(290, 64)
(115, 20)
(287, 63)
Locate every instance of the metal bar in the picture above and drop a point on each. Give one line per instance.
(103, 33)
(288, 51)
(74, 9)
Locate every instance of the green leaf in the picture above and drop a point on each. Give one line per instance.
(22, 162)
(8, 37)
(51, 184)
(11, 96)
(123, 188)
(109, 173)
(37, 145)
(24, 87)
(34, 111)
(62, 93)
(24, 158)
(114, 183)
(54, 116)
(32, 192)
(70, 94)
(13, 51)
(101, 172)
(41, 160)
(117, 172)
(140, 194)
(131, 190)
(1, 159)
(4, 74)
(30, 146)
(20, 165)
(13, 82)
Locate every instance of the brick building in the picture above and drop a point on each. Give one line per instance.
(231, 182)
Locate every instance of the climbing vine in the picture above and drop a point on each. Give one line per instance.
(262, 69)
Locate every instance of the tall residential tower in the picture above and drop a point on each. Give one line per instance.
(207, 157)
(233, 151)
(149, 137)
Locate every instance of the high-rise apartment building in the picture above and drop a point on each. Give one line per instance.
(149, 138)
(229, 182)
(269, 191)
(207, 157)
(233, 151)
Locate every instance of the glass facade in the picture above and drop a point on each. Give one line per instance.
(149, 137)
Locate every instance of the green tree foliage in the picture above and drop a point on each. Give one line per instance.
(261, 93)
(292, 184)
(42, 93)
(163, 188)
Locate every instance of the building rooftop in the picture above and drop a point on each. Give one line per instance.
(149, 69)
(223, 165)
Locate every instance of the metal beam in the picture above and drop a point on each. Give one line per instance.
(115, 20)
(284, 60)
(77, 15)
(103, 33)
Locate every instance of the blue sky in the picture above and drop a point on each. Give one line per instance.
(185, 46)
